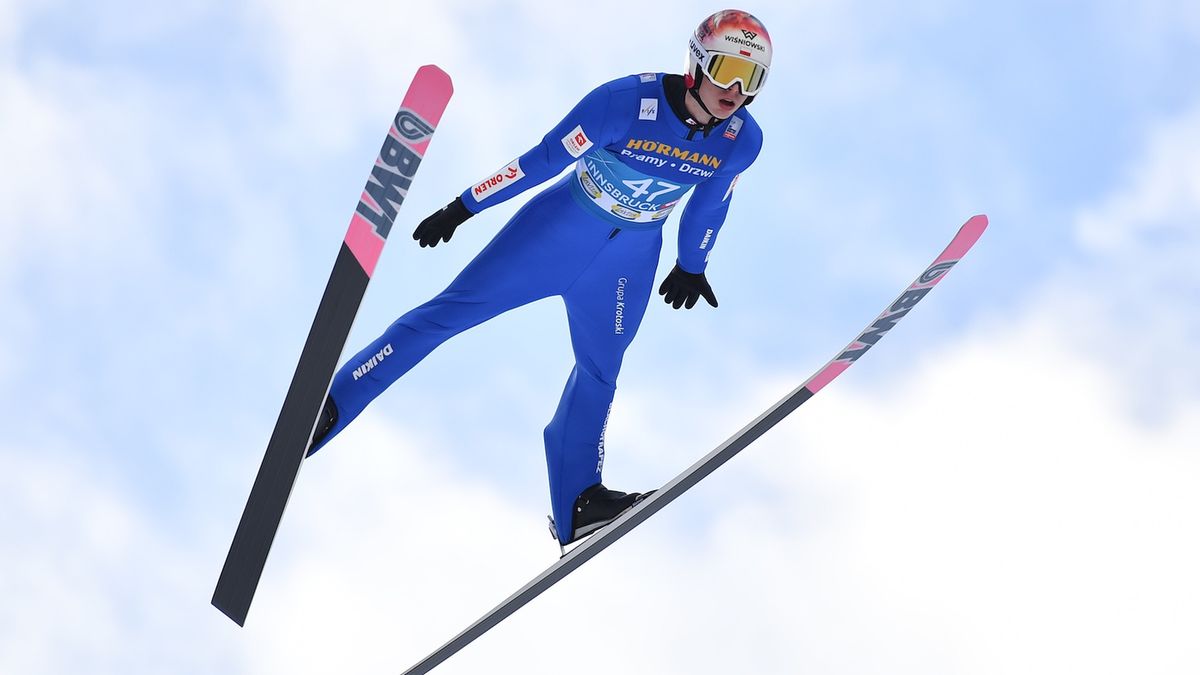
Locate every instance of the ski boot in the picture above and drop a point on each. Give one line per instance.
(329, 417)
(596, 507)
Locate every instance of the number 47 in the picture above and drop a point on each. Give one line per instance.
(641, 187)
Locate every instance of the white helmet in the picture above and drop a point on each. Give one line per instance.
(730, 46)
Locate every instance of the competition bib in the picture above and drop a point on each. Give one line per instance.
(622, 194)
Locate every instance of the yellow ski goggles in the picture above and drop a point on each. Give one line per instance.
(725, 69)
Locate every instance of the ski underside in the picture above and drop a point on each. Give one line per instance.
(966, 237)
(397, 162)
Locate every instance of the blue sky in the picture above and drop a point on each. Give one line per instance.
(1008, 484)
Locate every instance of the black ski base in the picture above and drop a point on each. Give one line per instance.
(289, 442)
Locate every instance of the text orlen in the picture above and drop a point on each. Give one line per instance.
(374, 361)
(498, 181)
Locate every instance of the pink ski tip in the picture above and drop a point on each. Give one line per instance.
(435, 76)
(967, 235)
(430, 90)
(979, 222)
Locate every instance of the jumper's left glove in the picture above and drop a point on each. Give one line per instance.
(440, 226)
(683, 289)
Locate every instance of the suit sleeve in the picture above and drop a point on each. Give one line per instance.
(705, 211)
(589, 123)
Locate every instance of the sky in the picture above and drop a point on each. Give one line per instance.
(1007, 484)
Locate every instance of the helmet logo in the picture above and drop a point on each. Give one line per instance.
(750, 35)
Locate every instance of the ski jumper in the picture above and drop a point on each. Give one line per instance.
(593, 238)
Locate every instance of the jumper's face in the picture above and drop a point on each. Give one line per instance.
(722, 102)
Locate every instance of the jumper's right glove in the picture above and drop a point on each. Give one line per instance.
(441, 225)
(682, 289)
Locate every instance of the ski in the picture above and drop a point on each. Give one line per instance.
(401, 154)
(966, 237)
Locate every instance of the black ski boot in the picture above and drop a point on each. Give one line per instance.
(598, 506)
(329, 417)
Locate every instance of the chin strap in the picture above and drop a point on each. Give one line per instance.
(696, 96)
(692, 85)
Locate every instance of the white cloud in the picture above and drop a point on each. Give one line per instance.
(1007, 497)
(339, 63)
(101, 167)
(65, 162)
(92, 580)
(78, 202)
(346, 65)
(131, 223)
(1161, 203)
(1137, 290)
(387, 548)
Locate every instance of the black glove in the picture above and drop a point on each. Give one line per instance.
(683, 289)
(441, 224)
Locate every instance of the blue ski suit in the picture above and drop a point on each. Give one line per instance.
(593, 238)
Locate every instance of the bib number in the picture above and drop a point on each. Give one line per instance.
(642, 187)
